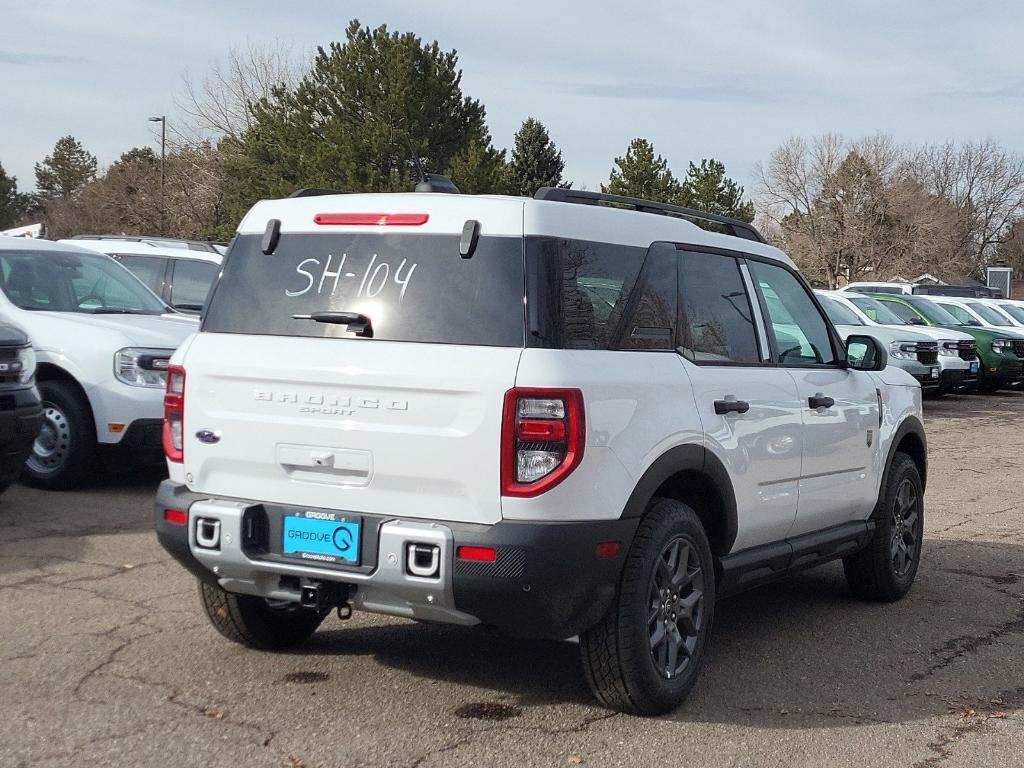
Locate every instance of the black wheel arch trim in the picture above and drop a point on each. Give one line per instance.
(911, 425)
(689, 457)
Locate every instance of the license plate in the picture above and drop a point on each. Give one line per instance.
(322, 537)
(974, 367)
(935, 373)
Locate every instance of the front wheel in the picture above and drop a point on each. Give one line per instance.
(885, 570)
(645, 655)
(256, 622)
(64, 453)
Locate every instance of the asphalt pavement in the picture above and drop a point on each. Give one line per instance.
(106, 659)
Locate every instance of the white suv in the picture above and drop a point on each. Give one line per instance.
(103, 341)
(554, 416)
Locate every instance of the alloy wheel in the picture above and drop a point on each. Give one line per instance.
(676, 612)
(905, 541)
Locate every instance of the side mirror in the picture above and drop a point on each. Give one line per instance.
(865, 353)
(915, 321)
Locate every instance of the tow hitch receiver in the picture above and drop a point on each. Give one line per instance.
(323, 595)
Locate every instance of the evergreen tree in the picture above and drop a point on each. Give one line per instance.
(642, 174)
(479, 169)
(536, 161)
(355, 120)
(13, 204)
(64, 172)
(707, 188)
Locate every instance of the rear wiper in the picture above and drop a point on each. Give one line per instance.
(357, 323)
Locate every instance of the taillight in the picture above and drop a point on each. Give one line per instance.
(174, 415)
(542, 437)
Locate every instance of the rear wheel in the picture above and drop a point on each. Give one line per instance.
(64, 453)
(645, 655)
(256, 622)
(885, 570)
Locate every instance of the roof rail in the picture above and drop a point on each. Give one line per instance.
(314, 192)
(192, 245)
(733, 227)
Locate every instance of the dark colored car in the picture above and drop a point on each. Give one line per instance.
(20, 411)
(1001, 353)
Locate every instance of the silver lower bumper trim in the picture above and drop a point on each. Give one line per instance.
(388, 589)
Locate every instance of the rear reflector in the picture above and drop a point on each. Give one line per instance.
(478, 554)
(606, 550)
(372, 219)
(176, 516)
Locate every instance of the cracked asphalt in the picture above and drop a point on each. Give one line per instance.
(105, 659)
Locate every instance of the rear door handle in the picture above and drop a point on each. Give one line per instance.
(820, 401)
(723, 407)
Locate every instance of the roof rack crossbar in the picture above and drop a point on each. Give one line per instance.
(733, 227)
(314, 192)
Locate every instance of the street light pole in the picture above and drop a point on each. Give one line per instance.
(162, 119)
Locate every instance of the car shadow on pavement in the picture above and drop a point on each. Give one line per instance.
(37, 526)
(796, 654)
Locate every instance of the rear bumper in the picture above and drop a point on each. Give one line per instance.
(545, 581)
(20, 418)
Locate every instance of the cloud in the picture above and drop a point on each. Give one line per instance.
(19, 59)
(642, 90)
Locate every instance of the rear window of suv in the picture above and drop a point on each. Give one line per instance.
(412, 287)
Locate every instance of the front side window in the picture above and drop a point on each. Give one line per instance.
(963, 316)
(66, 281)
(718, 325)
(1014, 311)
(883, 314)
(798, 329)
(989, 315)
(839, 313)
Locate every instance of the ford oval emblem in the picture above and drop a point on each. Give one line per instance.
(208, 436)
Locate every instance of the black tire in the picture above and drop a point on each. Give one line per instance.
(64, 454)
(256, 623)
(884, 571)
(988, 387)
(4, 487)
(619, 653)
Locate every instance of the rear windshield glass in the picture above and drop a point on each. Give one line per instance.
(410, 287)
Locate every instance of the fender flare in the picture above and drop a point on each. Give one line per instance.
(687, 458)
(911, 425)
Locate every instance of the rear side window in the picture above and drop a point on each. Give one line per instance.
(718, 325)
(149, 269)
(578, 290)
(191, 283)
(412, 287)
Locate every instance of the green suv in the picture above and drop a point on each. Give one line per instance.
(1001, 352)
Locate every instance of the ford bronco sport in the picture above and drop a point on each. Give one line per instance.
(571, 415)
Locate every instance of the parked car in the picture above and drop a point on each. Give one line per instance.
(20, 411)
(398, 431)
(1000, 350)
(1010, 310)
(916, 353)
(958, 354)
(102, 340)
(181, 276)
(919, 289)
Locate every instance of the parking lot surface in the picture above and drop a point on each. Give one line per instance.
(106, 660)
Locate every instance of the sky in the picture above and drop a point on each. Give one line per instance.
(727, 79)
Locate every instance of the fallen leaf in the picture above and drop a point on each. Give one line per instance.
(998, 716)
(968, 712)
(575, 760)
(295, 762)
(213, 713)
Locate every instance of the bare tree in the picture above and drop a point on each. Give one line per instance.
(984, 183)
(220, 104)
